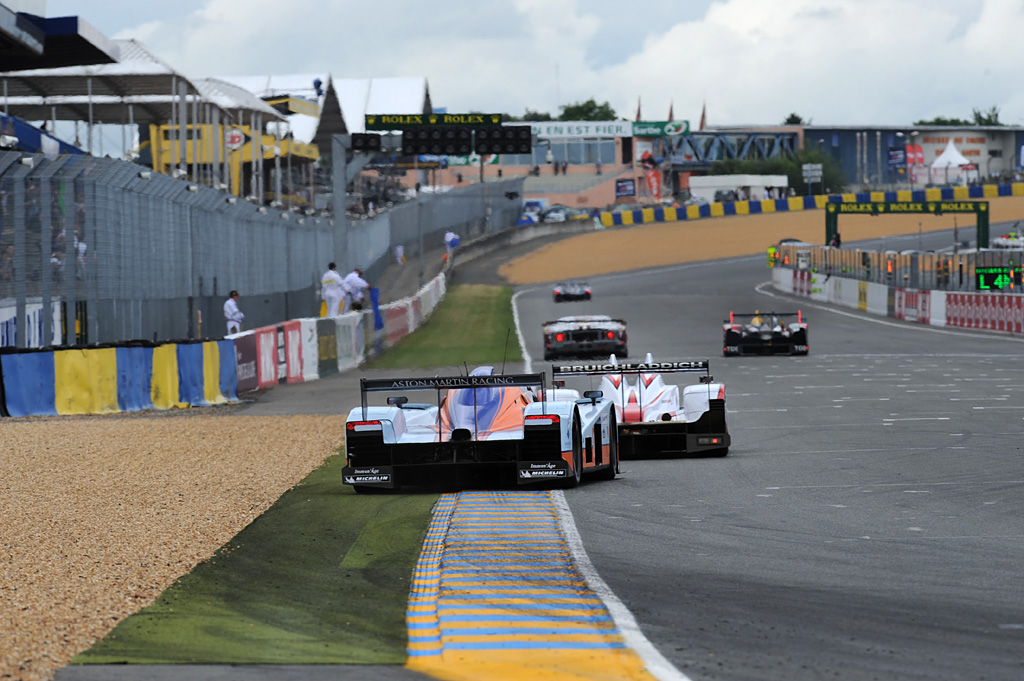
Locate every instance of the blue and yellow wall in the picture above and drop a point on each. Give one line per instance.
(799, 203)
(132, 376)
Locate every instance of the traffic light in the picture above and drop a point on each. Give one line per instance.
(505, 139)
(437, 140)
(365, 141)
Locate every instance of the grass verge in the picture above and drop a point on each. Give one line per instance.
(472, 325)
(322, 577)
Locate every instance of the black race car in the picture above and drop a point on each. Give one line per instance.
(571, 290)
(765, 333)
(585, 336)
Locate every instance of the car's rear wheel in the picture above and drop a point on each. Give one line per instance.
(576, 474)
(613, 451)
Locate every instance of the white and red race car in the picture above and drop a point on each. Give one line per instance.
(651, 417)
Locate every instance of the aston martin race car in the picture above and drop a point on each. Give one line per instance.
(585, 336)
(652, 419)
(572, 290)
(765, 333)
(481, 430)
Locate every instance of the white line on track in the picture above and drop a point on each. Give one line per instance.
(924, 418)
(655, 662)
(994, 408)
(901, 484)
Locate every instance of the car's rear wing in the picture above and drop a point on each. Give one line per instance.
(589, 323)
(799, 315)
(439, 383)
(694, 366)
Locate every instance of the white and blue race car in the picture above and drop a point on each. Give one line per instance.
(482, 429)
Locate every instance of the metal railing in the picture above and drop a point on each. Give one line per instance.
(917, 270)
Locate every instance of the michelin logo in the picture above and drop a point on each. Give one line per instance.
(533, 475)
(542, 470)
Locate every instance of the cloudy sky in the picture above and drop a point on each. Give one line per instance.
(834, 62)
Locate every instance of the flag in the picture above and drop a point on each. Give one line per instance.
(637, 108)
(703, 116)
(671, 117)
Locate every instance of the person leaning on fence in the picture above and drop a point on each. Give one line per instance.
(232, 314)
(332, 290)
(355, 285)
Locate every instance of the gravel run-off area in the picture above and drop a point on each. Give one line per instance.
(98, 515)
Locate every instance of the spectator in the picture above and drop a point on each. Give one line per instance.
(598, 164)
(354, 285)
(837, 241)
(451, 240)
(399, 254)
(57, 266)
(7, 263)
(332, 290)
(565, 167)
(232, 314)
(555, 167)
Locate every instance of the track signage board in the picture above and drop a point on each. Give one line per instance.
(993, 278)
(834, 209)
(402, 121)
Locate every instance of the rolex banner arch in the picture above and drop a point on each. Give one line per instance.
(980, 208)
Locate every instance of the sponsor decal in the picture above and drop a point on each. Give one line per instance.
(454, 382)
(368, 474)
(639, 366)
(531, 475)
(360, 479)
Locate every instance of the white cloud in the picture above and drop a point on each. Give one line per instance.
(833, 61)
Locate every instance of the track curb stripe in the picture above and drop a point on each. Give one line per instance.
(496, 576)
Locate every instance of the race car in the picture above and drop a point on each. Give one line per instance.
(483, 429)
(585, 336)
(652, 419)
(765, 333)
(572, 290)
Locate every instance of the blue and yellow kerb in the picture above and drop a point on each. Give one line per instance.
(794, 204)
(495, 595)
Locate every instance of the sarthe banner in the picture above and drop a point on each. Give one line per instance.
(654, 182)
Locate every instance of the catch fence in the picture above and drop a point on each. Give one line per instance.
(97, 250)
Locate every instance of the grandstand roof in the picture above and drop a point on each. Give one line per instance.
(140, 79)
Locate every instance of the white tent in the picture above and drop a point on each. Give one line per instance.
(952, 167)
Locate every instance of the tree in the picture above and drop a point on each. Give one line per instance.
(793, 119)
(990, 117)
(530, 115)
(942, 120)
(589, 110)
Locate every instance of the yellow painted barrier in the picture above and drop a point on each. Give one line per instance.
(211, 374)
(165, 387)
(86, 381)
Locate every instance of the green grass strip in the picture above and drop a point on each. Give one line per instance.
(322, 577)
(472, 325)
